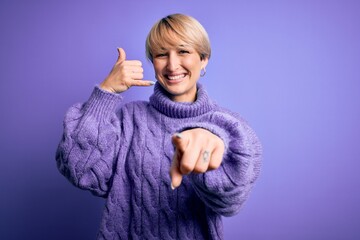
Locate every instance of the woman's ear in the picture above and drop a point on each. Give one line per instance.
(204, 62)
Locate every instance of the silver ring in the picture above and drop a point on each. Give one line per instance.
(206, 155)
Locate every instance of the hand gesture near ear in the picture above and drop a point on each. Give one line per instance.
(196, 150)
(124, 74)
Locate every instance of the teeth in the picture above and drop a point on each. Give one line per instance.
(176, 77)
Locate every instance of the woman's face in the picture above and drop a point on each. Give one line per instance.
(177, 68)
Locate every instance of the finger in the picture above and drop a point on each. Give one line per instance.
(142, 83)
(133, 63)
(175, 174)
(203, 161)
(137, 76)
(189, 158)
(122, 55)
(133, 68)
(188, 155)
(180, 141)
(216, 158)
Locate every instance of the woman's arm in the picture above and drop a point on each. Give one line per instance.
(90, 143)
(224, 189)
(92, 131)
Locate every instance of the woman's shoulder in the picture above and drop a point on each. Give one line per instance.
(228, 114)
(134, 107)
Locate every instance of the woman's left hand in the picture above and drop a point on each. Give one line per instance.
(196, 150)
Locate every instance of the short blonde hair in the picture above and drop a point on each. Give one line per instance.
(186, 28)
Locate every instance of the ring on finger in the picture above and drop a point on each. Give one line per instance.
(206, 156)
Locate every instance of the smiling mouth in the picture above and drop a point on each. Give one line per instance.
(175, 77)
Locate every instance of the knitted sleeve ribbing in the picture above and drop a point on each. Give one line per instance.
(90, 143)
(225, 189)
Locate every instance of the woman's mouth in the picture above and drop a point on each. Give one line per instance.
(175, 78)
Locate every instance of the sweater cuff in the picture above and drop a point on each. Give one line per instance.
(101, 103)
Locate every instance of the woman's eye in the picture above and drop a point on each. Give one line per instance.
(183, 51)
(159, 55)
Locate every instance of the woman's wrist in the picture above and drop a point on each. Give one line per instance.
(105, 87)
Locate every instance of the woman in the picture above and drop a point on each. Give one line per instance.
(212, 155)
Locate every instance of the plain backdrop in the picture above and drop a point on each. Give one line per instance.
(291, 68)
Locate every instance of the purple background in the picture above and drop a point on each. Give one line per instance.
(291, 68)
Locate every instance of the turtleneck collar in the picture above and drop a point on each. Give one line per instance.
(161, 101)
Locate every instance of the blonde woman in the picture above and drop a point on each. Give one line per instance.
(171, 167)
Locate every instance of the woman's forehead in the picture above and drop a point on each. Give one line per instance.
(171, 40)
(168, 46)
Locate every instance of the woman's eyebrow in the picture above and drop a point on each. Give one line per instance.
(184, 45)
(178, 46)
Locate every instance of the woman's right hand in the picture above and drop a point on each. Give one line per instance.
(124, 74)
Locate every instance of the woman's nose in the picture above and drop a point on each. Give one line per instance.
(173, 62)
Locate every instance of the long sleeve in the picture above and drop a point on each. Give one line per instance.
(225, 189)
(90, 143)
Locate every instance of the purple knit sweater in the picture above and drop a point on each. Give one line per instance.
(125, 156)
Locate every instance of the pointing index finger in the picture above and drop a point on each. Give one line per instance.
(180, 142)
(175, 174)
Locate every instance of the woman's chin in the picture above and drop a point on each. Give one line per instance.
(175, 90)
(181, 93)
(175, 86)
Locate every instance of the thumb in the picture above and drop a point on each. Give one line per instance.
(122, 55)
(175, 174)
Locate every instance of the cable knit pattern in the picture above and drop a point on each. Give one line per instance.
(125, 156)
